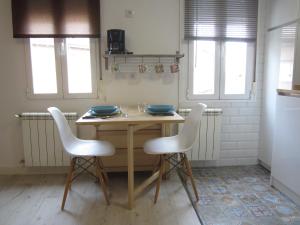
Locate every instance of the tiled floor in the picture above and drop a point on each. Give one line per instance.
(241, 196)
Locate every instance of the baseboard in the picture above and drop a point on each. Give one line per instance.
(32, 170)
(63, 169)
(285, 190)
(264, 165)
(224, 162)
(60, 170)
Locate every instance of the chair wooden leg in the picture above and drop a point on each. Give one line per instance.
(102, 181)
(68, 182)
(72, 175)
(156, 165)
(182, 162)
(161, 171)
(165, 169)
(70, 185)
(190, 173)
(105, 176)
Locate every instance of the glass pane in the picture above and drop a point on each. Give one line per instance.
(79, 65)
(287, 51)
(43, 65)
(204, 68)
(235, 68)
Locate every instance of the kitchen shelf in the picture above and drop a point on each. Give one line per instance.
(176, 56)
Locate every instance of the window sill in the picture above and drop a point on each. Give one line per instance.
(49, 97)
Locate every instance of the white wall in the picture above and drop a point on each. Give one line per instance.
(282, 11)
(153, 29)
(278, 13)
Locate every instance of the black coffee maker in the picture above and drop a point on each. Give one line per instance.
(116, 41)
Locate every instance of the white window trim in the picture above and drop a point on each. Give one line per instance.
(61, 73)
(220, 74)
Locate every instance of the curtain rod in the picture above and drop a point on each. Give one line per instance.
(284, 25)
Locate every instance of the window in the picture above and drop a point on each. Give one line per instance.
(222, 39)
(220, 70)
(287, 38)
(62, 67)
(43, 66)
(204, 69)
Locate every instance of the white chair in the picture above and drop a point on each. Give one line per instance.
(169, 148)
(78, 149)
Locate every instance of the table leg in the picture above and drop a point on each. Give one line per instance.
(130, 161)
(96, 132)
(165, 133)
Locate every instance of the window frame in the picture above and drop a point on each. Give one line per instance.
(220, 73)
(61, 72)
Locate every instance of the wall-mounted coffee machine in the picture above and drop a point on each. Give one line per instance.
(116, 42)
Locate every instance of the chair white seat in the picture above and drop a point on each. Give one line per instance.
(164, 145)
(91, 148)
(76, 146)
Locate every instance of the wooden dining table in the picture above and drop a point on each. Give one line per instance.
(134, 120)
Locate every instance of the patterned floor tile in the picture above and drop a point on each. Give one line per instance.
(219, 189)
(295, 221)
(206, 200)
(231, 180)
(236, 212)
(259, 187)
(286, 211)
(250, 179)
(250, 200)
(238, 188)
(270, 198)
(260, 210)
(241, 196)
(227, 200)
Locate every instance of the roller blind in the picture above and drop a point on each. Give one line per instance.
(55, 18)
(220, 19)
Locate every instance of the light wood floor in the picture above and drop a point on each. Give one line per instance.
(36, 199)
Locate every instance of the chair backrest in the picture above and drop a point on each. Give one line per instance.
(188, 133)
(66, 136)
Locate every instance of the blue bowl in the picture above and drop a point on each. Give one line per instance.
(103, 109)
(92, 113)
(160, 108)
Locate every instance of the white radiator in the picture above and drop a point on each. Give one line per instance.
(207, 145)
(42, 145)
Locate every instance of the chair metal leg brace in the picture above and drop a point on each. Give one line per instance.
(84, 168)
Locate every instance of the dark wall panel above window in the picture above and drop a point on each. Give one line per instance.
(56, 18)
